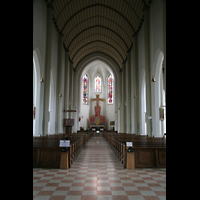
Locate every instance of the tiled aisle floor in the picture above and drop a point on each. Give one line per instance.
(98, 174)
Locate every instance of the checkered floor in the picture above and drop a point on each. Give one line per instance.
(98, 175)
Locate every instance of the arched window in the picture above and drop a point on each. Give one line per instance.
(85, 89)
(110, 89)
(98, 84)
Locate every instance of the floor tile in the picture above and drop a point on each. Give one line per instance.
(134, 197)
(104, 197)
(45, 193)
(97, 174)
(122, 192)
(148, 193)
(133, 193)
(151, 198)
(88, 197)
(73, 197)
(57, 198)
(60, 193)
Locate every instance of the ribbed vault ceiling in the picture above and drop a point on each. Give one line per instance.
(106, 26)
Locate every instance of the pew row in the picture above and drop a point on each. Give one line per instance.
(149, 151)
(47, 153)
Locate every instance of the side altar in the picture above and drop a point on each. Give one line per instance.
(97, 120)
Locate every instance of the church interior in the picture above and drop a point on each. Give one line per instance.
(99, 80)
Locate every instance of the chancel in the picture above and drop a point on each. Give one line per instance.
(99, 65)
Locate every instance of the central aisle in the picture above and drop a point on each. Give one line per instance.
(97, 155)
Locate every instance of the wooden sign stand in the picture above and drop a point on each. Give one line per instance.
(130, 157)
(64, 160)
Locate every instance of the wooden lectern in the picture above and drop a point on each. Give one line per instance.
(68, 123)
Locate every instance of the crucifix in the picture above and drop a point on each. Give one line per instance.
(97, 108)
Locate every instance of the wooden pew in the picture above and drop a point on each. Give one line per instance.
(149, 151)
(47, 153)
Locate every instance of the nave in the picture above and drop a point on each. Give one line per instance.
(97, 174)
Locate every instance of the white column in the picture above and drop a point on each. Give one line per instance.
(128, 91)
(53, 79)
(119, 101)
(60, 87)
(66, 86)
(133, 72)
(122, 107)
(47, 72)
(147, 71)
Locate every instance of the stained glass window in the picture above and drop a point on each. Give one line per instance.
(110, 89)
(85, 89)
(97, 84)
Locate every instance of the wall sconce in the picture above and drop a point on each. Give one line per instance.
(135, 96)
(33, 111)
(125, 103)
(153, 79)
(42, 80)
(60, 95)
(163, 67)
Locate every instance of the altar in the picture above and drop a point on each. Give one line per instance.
(97, 120)
(97, 126)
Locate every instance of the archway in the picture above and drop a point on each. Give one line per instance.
(81, 70)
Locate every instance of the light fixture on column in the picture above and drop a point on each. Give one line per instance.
(135, 96)
(33, 111)
(153, 79)
(42, 80)
(60, 95)
(163, 67)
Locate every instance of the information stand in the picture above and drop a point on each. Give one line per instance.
(64, 160)
(130, 157)
(64, 157)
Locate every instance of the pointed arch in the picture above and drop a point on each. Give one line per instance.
(98, 83)
(110, 89)
(85, 89)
